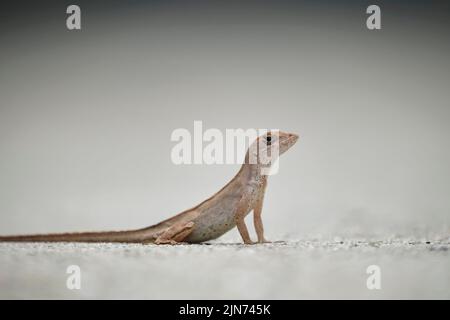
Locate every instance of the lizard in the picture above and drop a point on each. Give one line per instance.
(210, 219)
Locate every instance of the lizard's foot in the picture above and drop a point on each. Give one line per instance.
(165, 241)
(170, 242)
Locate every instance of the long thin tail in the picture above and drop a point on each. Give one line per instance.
(145, 235)
(132, 236)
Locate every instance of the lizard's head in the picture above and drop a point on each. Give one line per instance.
(280, 140)
(268, 147)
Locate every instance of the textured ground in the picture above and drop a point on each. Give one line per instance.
(410, 268)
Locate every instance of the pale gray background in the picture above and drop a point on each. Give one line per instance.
(86, 117)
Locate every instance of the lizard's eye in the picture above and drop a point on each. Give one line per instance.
(269, 140)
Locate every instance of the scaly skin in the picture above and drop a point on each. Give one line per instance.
(208, 220)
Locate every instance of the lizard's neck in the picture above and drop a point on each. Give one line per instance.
(251, 174)
(253, 171)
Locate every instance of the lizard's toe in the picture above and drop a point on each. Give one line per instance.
(189, 224)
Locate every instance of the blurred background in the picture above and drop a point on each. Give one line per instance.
(86, 116)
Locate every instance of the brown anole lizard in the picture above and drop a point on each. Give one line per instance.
(208, 220)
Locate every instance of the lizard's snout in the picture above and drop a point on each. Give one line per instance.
(294, 137)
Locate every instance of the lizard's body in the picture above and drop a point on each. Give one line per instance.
(208, 220)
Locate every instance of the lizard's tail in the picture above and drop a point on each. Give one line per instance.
(136, 236)
(145, 235)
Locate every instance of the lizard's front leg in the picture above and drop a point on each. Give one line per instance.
(241, 212)
(257, 211)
